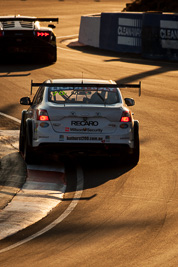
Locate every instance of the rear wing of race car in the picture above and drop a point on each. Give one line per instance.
(111, 85)
(19, 18)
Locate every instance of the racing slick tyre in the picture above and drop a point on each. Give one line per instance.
(134, 157)
(29, 155)
(52, 57)
(22, 133)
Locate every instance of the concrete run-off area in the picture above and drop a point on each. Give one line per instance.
(27, 192)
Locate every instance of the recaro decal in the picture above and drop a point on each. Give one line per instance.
(84, 123)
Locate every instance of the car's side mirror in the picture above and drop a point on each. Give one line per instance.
(25, 101)
(129, 101)
(52, 26)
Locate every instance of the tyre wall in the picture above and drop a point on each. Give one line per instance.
(153, 35)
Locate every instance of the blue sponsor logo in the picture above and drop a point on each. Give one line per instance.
(44, 124)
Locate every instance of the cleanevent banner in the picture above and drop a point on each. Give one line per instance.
(121, 32)
(154, 35)
(160, 36)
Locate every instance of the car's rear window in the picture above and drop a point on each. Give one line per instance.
(84, 95)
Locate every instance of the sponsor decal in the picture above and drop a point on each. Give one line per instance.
(169, 34)
(125, 31)
(85, 130)
(44, 124)
(107, 138)
(36, 127)
(84, 123)
(67, 129)
(61, 137)
(129, 32)
(59, 92)
(124, 126)
(84, 138)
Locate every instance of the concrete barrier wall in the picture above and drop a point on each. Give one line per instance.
(90, 30)
(153, 35)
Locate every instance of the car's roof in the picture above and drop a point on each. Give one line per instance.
(80, 81)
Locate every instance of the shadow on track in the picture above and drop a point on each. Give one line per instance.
(163, 65)
(12, 67)
(97, 170)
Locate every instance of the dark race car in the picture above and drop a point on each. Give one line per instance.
(23, 35)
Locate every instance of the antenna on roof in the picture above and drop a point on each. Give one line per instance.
(82, 77)
(31, 86)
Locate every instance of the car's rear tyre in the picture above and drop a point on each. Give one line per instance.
(22, 133)
(134, 157)
(29, 154)
(21, 141)
(52, 57)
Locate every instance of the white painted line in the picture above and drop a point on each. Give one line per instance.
(10, 117)
(71, 207)
(67, 36)
(69, 50)
(38, 196)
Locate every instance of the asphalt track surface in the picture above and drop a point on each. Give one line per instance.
(126, 215)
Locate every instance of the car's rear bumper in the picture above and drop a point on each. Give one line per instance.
(29, 47)
(90, 149)
(27, 50)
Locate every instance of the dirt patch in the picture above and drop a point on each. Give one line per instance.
(153, 5)
(8, 124)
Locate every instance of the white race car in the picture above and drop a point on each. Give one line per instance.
(79, 116)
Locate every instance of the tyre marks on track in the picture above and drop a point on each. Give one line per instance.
(70, 208)
(43, 190)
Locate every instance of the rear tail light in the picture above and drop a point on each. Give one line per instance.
(42, 115)
(1, 33)
(126, 116)
(43, 35)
